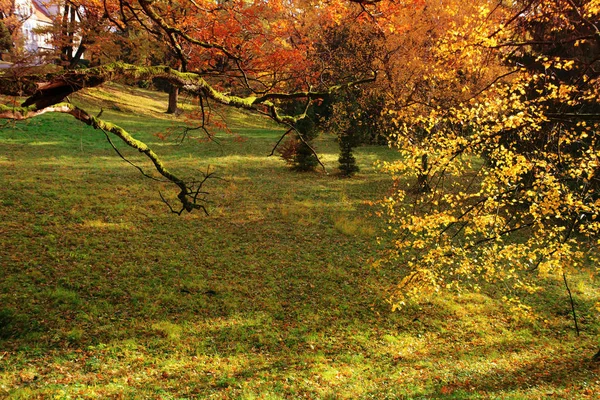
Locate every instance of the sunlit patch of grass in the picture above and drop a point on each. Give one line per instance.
(122, 98)
(43, 143)
(167, 329)
(98, 224)
(354, 226)
(297, 212)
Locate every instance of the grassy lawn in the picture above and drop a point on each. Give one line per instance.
(104, 293)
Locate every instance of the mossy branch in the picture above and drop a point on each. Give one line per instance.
(54, 88)
(188, 196)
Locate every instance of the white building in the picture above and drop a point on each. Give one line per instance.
(36, 16)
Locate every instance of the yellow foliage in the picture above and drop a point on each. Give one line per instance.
(508, 150)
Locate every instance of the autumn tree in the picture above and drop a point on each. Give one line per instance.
(347, 51)
(5, 39)
(397, 40)
(512, 151)
(11, 20)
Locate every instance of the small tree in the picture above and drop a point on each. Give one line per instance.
(347, 142)
(304, 157)
(298, 151)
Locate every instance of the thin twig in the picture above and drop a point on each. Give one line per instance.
(572, 303)
(279, 141)
(129, 162)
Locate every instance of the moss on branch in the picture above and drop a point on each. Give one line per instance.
(187, 195)
(54, 88)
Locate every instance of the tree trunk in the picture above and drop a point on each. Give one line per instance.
(423, 177)
(173, 99)
(65, 37)
(78, 55)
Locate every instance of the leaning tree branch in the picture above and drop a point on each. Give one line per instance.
(129, 161)
(56, 87)
(21, 113)
(188, 195)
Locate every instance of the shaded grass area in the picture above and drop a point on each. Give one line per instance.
(104, 293)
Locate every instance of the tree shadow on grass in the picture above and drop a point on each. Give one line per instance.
(268, 291)
(539, 377)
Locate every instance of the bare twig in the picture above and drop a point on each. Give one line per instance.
(279, 141)
(572, 303)
(128, 161)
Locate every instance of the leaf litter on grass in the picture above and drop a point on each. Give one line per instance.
(106, 294)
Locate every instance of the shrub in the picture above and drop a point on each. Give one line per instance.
(347, 160)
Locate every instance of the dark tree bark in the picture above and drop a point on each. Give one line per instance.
(78, 55)
(423, 177)
(173, 100)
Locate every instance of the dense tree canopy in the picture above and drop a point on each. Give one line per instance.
(507, 164)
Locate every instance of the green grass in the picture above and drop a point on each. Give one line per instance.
(104, 293)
